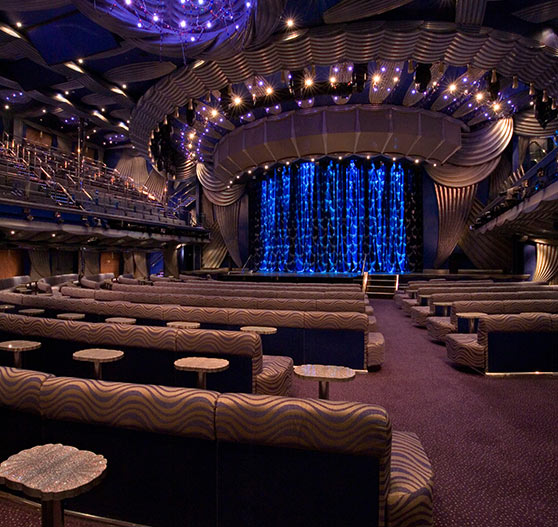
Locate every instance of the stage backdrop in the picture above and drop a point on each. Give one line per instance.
(334, 216)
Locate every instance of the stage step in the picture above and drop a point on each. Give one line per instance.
(381, 286)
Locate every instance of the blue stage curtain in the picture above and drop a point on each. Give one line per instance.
(332, 217)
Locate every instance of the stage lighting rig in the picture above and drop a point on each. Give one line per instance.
(423, 76)
(360, 74)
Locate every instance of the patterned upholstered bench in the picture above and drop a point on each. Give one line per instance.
(46, 284)
(420, 313)
(243, 292)
(339, 338)
(439, 327)
(95, 282)
(150, 353)
(197, 457)
(508, 343)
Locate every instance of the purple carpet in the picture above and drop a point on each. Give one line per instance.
(493, 443)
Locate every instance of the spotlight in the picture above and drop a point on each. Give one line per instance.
(290, 22)
(479, 96)
(494, 85)
(269, 90)
(308, 81)
(333, 80)
(237, 101)
(190, 112)
(360, 72)
(452, 88)
(376, 78)
(423, 76)
(496, 107)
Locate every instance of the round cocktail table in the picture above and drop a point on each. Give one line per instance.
(70, 316)
(202, 366)
(324, 374)
(260, 330)
(182, 324)
(121, 320)
(98, 356)
(6, 307)
(52, 473)
(32, 312)
(17, 347)
(446, 307)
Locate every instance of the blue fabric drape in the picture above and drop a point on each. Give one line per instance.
(333, 217)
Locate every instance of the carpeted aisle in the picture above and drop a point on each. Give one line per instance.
(493, 443)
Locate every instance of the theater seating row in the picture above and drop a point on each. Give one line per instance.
(252, 292)
(46, 284)
(438, 327)
(420, 314)
(344, 339)
(149, 295)
(95, 281)
(526, 342)
(197, 457)
(149, 353)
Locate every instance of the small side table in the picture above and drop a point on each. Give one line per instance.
(121, 320)
(70, 316)
(324, 374)
(17, 347)
(202, 366)
(182, 324)
(6, 307)
(472, 319)
(446, 307)
(52, 473)
(260, 330)
(424, 299)
(98, 356)
(32, 312)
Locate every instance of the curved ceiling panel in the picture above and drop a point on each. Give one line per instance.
(526, 124)
(143, 71)
(338, 130)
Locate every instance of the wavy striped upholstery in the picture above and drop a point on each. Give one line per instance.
(410, 494)
(127, 335)
(439, 327)
(264, 317)
(276, 377)
(21, 389)
(420, 314)
(77, 292)
(312, 424)
(375, 350)
(513, 323)
(463, 348)
(213, 315)
(177, 411)
(7, 297)
(504, 306)
(407, 304)
(324, 320)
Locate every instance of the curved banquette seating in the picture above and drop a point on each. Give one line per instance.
(527, 342)
(439, 327)
(149, 353)
(95, 281)
(14, 281)
(407, 295)
(46, 284)
(420, 314)
(315, 337)
(424, 295)
(245, 292)
(151, 296)
(181, 456)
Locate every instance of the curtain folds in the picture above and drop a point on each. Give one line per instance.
(451, 175)
(484, 145)
(454, 208)
(349, 10)
(170, 256)
(227, 220)
(91, 263)
(128, 263)
(40, 263)
(547, 262)
(140, 265)
(134, 168)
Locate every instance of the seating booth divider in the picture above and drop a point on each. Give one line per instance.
(178, 456)
(311, 337)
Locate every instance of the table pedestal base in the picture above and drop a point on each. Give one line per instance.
(324, 390)
(52, 514)
(202, 380)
